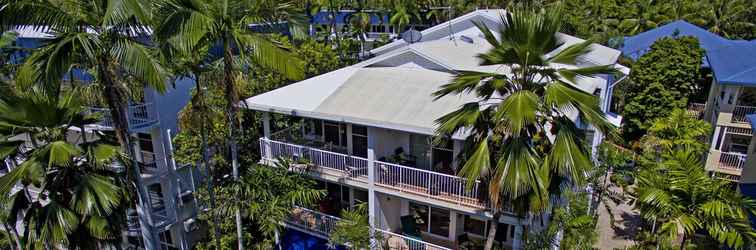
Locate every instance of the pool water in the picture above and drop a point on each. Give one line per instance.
(296, 240)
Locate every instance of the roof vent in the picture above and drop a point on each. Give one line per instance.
(466, 39)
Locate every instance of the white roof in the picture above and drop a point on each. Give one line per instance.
(393, 90)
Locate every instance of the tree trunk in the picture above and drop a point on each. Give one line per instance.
(118, 104)
(492, 231)
(232, 98)
(205, 155)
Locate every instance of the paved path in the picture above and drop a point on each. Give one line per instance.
(620, 233)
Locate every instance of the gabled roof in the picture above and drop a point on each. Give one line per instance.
(394, 89)
(637, 45)
(734, 64)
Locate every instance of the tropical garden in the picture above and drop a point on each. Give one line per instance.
(72, 192)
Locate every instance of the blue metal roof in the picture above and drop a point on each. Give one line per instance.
(636, 46)
(732, 61)
(734, 64)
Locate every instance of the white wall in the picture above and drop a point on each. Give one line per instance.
(384, 141)
(390, 212)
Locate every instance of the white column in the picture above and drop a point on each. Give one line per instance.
(266, 135)
(453, 225)
(724, 136)
(715, 137)
(349, 139)
(517, 241)
(137, 147)
(372, 201)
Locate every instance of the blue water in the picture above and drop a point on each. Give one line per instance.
(296, 240)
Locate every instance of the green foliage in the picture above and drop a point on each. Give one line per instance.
(577, 225)
(70, 195)
(661, 81)
(353, 230)
(679, 195)
(678, 130)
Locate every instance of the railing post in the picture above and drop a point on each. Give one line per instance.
(371, 196)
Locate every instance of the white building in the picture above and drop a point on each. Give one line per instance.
(152, 123)
(357, 119)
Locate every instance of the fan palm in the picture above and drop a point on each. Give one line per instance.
(679, 194)
(521, 140)
(101, 35)
(70, 194)
(186, 25)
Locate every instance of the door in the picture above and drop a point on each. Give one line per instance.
(359, 141)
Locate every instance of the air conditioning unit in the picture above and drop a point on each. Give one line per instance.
(190, 225)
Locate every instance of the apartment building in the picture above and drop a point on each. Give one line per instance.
(366, 130)
(172, 216)
(731, 97)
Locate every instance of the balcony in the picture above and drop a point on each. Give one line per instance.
(322, 225)
(697, 110)
(730, 163)
(416, 183)
(740, 112)
(140, 115)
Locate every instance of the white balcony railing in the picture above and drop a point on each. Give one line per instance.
(392, 241)
(426, 183)
(696, 109)
(312, 221)
(140, 115)
(740, 112)
(732, 161)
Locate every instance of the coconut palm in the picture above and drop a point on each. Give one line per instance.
(679, 195)
(521, 141)
(186, 25)
(104, 36)
(728, 17)
(71, 195)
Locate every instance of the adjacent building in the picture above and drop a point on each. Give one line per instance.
(365, 133)
(152, 123)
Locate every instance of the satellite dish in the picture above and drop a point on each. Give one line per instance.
(412, 36)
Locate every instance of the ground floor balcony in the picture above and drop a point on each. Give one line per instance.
(141, 116)
(390, 178)
(730, 163)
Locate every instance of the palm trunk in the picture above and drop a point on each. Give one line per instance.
(492, 232)
(118, 104)
(232, 97)
(205, 156)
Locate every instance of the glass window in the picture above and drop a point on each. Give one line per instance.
(359, 130)
(439, 221)
(475, 226)
(314, 127)
(420, 148)
(420, 212)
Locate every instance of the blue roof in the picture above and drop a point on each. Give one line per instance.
(732, 61)
(734, 64)
(637, 45)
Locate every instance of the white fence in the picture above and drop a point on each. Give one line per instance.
(740, 112)
(732, 160)
(431, 184)
(392, 241)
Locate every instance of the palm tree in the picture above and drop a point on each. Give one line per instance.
(102, 36)
(71, 194)
(678, 129)
(524, 145)
(728, 17)
(186, 25)
(404, 13)
(679, 194)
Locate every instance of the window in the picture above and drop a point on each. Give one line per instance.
(420, 148)
(313, 128)
(359, 141)
(335, 133)
(475, 226)
(156, 196)
(431, 219)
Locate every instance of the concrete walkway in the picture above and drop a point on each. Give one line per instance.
(618, 234)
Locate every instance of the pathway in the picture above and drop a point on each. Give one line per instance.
(620, 233)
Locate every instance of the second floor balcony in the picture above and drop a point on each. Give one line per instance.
(387, 177)
(141, 116)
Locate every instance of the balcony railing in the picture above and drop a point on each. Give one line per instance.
(697, 109)
(732, 161)
(422, 182)
(392, 241)
(740, 112)
(312, 221)
(140, 116)
(323, 224)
